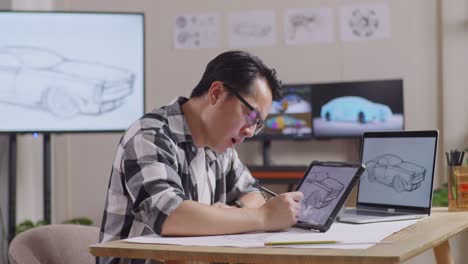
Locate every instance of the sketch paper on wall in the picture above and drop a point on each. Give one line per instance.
(308, 25)
(196, 31)
(365, 22)
(252, 29)
(56, 79)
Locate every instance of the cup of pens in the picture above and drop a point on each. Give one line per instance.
(457, 179)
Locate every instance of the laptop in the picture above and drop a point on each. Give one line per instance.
(398, 180)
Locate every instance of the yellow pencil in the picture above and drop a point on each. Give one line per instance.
(278, 243)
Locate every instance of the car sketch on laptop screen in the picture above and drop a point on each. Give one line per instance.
(349, 109)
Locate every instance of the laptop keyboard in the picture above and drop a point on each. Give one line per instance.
(373, 213)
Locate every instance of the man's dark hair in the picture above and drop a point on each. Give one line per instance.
(238, 69)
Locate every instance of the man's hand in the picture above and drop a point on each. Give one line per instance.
(282, 211)
(221, 205)
(278, 213)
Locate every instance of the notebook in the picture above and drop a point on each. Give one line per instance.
(398, 180)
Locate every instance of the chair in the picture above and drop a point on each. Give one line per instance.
(54, 244)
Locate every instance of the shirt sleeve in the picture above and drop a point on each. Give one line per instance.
(149, 166)
(239, 180)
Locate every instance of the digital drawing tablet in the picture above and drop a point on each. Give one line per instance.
(326, 186)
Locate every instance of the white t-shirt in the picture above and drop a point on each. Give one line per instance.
(205, 181)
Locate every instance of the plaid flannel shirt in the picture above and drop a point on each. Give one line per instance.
(152, 175)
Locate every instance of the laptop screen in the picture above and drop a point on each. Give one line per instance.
(399, 169)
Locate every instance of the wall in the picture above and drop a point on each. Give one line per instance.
(5, 4)
(410, 53)
(455, 92)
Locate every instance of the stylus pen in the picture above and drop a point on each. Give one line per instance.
(267, 191)
(257, 184)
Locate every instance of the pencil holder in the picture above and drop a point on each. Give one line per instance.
(457, 178)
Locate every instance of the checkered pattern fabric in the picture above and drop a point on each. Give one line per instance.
(152, 175)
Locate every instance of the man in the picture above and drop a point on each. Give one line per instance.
(176, 169)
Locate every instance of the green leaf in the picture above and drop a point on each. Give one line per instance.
(440, 197)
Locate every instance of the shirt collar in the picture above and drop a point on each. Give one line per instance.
(177, 120)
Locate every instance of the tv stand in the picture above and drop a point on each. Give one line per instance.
(266, 153)
(276, 174)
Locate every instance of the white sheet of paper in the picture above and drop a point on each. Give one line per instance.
(252, 29)
(365, 22)
(196, 31)
(308, 25)
(360, 236)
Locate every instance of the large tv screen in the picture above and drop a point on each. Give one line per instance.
(70, 72)
(291, 116)
(348, 109)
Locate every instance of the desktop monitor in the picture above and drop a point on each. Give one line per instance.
(291, 116)
(348, 109)
(70, 72)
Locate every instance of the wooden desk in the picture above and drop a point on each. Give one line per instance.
(431, 233)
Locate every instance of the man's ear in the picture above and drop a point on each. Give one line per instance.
(215, 92)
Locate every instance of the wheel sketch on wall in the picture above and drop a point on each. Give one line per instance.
(394, 172)
(42, 79)
(364, 22)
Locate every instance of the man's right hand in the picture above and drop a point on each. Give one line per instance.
(282, 211)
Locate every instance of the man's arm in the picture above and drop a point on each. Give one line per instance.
(253, 200)
(191, 218)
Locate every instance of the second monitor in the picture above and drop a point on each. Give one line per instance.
(291, 116)
(348, 109)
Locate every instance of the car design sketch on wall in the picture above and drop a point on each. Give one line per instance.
(354, 109)
(252, 29)
(326, 189)
(39, 78)
(392, 171)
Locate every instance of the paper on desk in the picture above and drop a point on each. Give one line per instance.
(364, 234)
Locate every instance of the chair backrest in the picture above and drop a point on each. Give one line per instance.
(54, 244)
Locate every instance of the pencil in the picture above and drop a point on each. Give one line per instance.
(258, 185)
(319, 242)
(268, 191)
(313, 242)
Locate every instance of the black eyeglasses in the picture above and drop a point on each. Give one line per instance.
(252, 118)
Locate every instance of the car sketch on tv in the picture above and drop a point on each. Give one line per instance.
(392, 171)
(42, 79)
